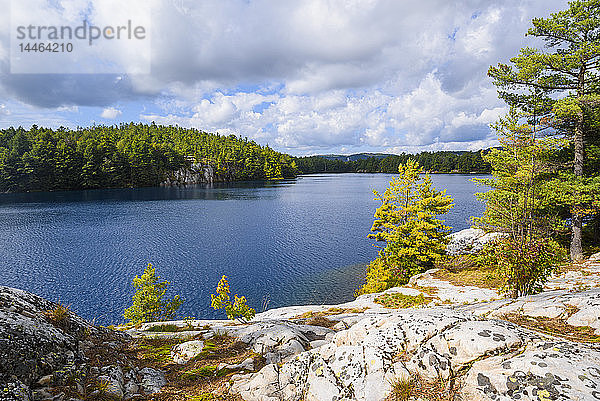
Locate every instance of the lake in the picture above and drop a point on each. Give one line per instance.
(281, 243)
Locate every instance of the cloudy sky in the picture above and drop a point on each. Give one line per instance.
(304, 76)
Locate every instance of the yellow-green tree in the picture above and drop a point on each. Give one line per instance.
(149, 303)
(407, 221)
(236, 310)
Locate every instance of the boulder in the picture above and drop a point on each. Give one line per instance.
(470, 240)
(184, 352)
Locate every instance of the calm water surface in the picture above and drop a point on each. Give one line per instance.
(291, 242)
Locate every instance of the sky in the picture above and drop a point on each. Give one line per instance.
(303, 76)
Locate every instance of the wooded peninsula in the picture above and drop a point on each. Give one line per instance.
(144, 155)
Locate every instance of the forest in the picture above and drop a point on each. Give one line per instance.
(435, 162)
(127, 155)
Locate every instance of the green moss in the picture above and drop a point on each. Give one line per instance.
(397, 301)
(195, 374)
(156, 353)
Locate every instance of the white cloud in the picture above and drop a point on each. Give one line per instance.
(311, 75)
(110, 113)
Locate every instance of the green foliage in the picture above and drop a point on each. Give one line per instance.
(236, 310)
(523, 200)
(407, 221)
(128, 155)
(522, 203)
(379, 278)
(440, 162)
(149, 303)
(524, 264)
(559, 85)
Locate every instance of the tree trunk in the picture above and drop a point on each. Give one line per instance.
(577, 223)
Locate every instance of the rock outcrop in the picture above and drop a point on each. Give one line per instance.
(476, 348)
(196, 173)
(44, 345)
(468, 341)
(471, 240)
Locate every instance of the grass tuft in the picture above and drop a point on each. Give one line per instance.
(401, 301)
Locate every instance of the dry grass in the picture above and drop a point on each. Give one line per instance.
(402, 389)
(555, 327)
(418, 388)
(476, 277)
(427, 290)
(321, 321)
(59, 316)
(401, 301)
(330, 312)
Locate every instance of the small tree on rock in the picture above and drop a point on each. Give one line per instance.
(149, 303)
(407, 221)
(236, 310)
(521, 204)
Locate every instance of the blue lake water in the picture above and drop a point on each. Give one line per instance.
(291, 242)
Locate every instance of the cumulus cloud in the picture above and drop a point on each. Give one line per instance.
(110, 113)
(309, 76)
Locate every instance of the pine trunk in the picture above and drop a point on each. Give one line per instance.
(577, 223)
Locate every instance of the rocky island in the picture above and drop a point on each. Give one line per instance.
(447, 341)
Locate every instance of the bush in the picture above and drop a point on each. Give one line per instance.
(379, 277)
(149, 304)
(523, 265)
(236, 310)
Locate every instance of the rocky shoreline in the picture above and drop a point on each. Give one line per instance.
(464, 342)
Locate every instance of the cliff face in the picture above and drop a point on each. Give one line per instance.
(196, 173)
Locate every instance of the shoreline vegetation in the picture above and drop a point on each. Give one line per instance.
(131, 155)
(137, 155)
(440, 162)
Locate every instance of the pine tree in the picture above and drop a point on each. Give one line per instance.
(568, 67)
(407, 221)
(149, 304)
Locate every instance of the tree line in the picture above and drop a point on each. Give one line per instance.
(438, 162)
(127, 155)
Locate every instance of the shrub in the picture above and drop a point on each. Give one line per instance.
(236, 310)
(523, 265)
(380, 277)
(149, 303)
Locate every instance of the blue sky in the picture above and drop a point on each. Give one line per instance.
(304, 76)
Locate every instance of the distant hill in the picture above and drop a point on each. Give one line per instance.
(354, 157)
